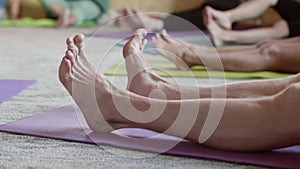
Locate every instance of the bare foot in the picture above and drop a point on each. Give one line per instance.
(90, 90)
(63, 20)
(141, 78)
(136, 20)
(220, 17)
(175, 50)
(215, 31)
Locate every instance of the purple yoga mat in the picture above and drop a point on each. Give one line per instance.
(126, 35)
(63, 123)
(10, 88)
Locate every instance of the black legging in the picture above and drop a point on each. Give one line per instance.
(289, 10)
(194, 16)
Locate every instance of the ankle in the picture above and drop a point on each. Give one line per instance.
(194, 57)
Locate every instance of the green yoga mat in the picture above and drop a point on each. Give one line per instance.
(165, 68)
(30, 22)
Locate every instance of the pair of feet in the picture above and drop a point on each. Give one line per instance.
(175, 50)
(136, 20)
(65, 17)
(97, 97)
(94, 93)
(216, 22)
(186, 55)
(183, 55)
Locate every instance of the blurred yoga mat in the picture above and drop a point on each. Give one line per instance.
(30, 22)
(125, 34)
(11, 87)
(165, 68)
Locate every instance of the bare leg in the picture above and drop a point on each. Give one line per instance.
(244, 125)
(237, 58)
(247, 10)
(284, 56)
(143, 81)
(268, 42)
(186, 55)
(136, 20)
(219, 35)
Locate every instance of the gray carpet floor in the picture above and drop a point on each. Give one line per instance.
(35, 53)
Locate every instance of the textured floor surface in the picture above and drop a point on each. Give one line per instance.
(27, 53)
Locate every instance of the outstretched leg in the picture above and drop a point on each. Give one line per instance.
(142, 79)
(272, 55)
(216, 21)
(186, 55)
(247, 10)
(220, 35)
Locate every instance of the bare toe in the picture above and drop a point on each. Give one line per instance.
(78, 40)
(71, 46)
(70, 56)
(65, 73)
(136, 43)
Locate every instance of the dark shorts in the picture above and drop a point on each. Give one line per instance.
(289, 10)
(192, 19)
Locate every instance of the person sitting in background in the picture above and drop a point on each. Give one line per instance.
(219, 22)
(270, 55)
(18, 9)
(14, 9)
(2, 9)
(9, 9)
(74, 12)
(136, 19)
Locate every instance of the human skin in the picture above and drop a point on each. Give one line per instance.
(246, 124)
(65, 17)
(136, 19)
(14, 9)
(219, 23)
(270, 55)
